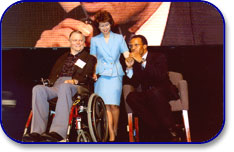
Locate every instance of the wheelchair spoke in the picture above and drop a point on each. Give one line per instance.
(99, 113)
(98, 128)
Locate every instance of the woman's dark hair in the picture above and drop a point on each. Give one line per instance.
(143, 39)
(103, 16)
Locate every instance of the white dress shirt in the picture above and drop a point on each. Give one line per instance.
(153, 29)
(143, 64)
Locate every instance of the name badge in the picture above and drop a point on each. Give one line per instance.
(80, 63)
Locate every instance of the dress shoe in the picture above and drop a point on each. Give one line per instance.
(32, 137)
(51, 137)
(174, 135)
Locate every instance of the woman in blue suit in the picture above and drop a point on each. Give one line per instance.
(107, 48)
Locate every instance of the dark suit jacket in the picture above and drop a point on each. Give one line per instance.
(79, 74)
(193, 23)
(155, 75)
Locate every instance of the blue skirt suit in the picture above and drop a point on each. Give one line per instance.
(109, 84)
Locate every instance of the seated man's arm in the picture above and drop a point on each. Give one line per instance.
(129, 61)
(129, 72)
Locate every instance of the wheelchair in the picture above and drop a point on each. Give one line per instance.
(87, 116)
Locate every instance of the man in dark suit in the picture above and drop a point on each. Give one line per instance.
(149, 75)
(71, 69)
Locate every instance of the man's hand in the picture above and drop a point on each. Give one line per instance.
(129, 62)
(72, 81)
(59, 35)
(136, 56)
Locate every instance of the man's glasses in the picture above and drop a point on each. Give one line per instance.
(132, 45)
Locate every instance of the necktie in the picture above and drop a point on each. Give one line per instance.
(143, 64)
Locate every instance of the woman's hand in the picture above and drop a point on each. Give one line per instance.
(129, 62)
(95, 77)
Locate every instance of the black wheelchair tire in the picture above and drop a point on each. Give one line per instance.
(94, 121)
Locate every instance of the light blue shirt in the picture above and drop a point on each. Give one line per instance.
(108, 54)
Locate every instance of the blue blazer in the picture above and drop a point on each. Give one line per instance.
(108, 54)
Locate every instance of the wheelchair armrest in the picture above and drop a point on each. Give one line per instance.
(87, 85)
(82, 90)
(183, 90)
(88, 80)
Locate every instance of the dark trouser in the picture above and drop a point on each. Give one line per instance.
(152, 107)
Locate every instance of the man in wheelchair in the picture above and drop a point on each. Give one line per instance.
(71, 69)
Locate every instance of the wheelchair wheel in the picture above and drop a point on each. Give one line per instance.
(97, 119)
(80, 138)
